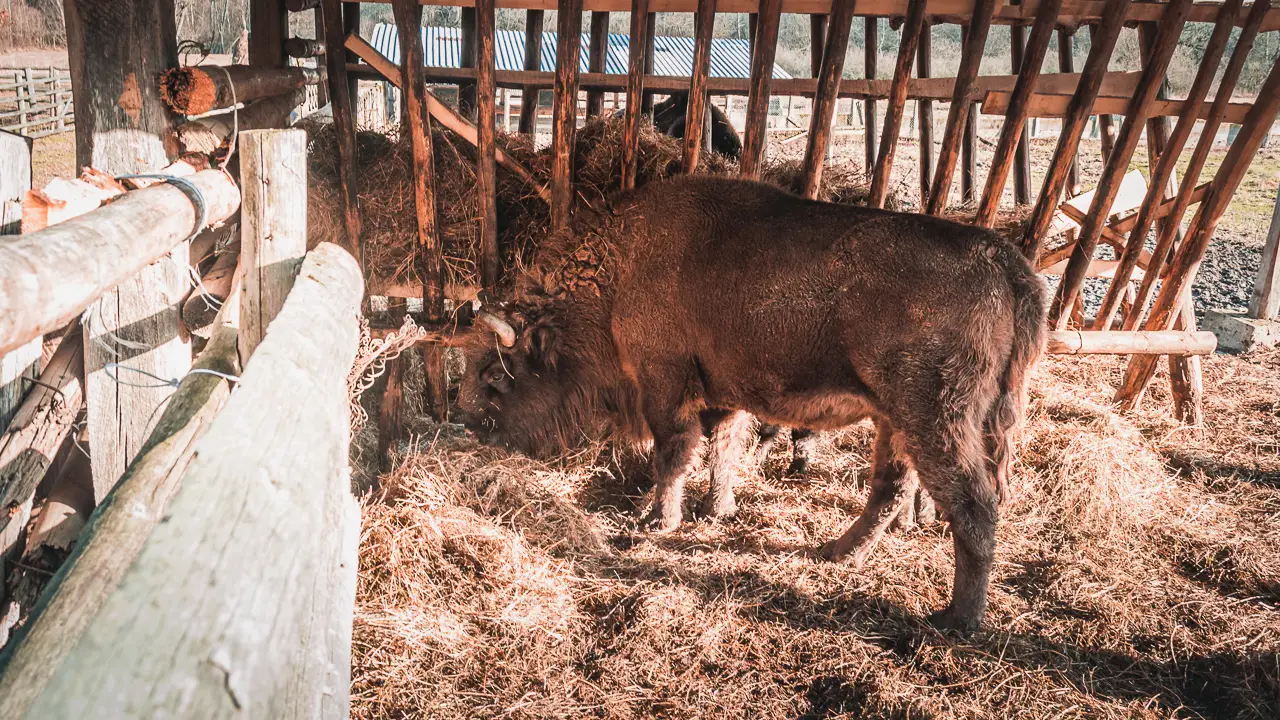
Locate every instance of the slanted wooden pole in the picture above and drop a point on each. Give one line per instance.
(871, 57)
(924, 111)
(1167, 233)
(467, 51)
(351, 13)
(1095, 68)
(343, 100)
(969, 157)
(1182, 270)
(635, 93)
(273, 225)
(1118, 164)
(958, 115)
(596, 53)
(831, 68)
(486, 161)
(1264, 301)
(568, 42)
(755, 134)
(1022, 151)
(696, 114)
(1067, 64)
(532, 61)
(1162, 172)
(897, 100)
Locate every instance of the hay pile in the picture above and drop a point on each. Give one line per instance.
(1138, 573)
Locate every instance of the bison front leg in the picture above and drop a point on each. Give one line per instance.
(676, 435)
(730, 442)
(893, 484)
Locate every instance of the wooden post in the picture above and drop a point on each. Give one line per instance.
(1095, 68)
(1182, 270)
(897, 99)
(273, 225)
(1162, 173)
(115, 49)
(969, 157)
(650, 38)
(755, 134)
(1067, 64)
(1264, 302)
(268, 29)
(635, 92)
(818, 25)
(696, 114)
(532, 61)
(350, 12)
(824, 103)
(344, 122)
(924, 69)
(958, 115)
(596, 53)
(871, 56)
(1021, 155)
(467, 51)
(1118, 164)
(486, 170)
(564, 121)
(247, 587)
(1221, 101)
(21, 365)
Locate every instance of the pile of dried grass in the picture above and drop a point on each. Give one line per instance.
(1137, 575)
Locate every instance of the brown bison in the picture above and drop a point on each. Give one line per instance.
(669, 119)
(707, 298)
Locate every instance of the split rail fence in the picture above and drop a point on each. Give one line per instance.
(36, 101)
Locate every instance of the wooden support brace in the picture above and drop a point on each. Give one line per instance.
(755, 135)
(696, 113)
(636, 69)
(830, 70)
(564, 120)
(1067, 64)
(467, 52)
(897, 99)
(924, 111)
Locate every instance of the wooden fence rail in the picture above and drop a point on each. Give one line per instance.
(36, 101)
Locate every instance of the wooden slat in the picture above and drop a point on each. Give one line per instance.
(1126, 144)
(335, 58)
(924, 111)
(533, 62)
(569, 29)
(1021, 150)
(969, 156)
(898, 97)
(1056, 106)
(818, 40)
(1069, 139)
(1164, 167)
(1215, 116)
(635, 91)
(871, 57)
(486, 171)
(696, 112)
(1182, 270)
(597, 49)
(831, 68)
(975, 42)
(1166, 342)
(754, 135)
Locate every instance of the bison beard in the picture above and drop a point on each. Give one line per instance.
(702, 299)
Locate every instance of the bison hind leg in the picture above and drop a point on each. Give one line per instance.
(893, 484)
(803, 444)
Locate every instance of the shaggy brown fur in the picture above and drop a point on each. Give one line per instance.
(714, 295)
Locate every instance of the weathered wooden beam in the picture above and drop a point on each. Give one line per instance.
(1095, 68)
(344, 128)
(924, 111)
(247, 587)
(1022, 150)
(871, 57)
(754, 133)
(1214, 117)
(22, 364)
(198, 90)
(1182, 270)
(696, 112)
(636, 65)
(897, 99)
(1057, 106)
(1118, 163)
(1163, 170)
(1115, 342)
(830, 70)
(597, 49)
(533, 22)
(467, 52)
(1264, 301)
(486, 158)
(564, 120)
(957, 127)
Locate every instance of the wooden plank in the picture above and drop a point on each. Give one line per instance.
(268, 28)
(1264, 301)
(533, 22)
(754, 135)
(1114, 342)
(342, 99)
(247, 587)
(1095, 68)
(957, 127)
(696, 116)
(924, 111)
(830, 70)
(1126, 144)
(1056, 106)
(635, 92)
(1163, 170)
(273, 225)
(596, 51)
(1215, 116)
(1182, 269)
(898, 97)
(1022, 149)
(871, 55)
(564, 120)
(486, 160)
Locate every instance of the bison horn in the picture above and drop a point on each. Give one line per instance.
(506, 334)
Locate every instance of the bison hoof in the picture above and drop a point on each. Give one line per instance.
(950, 620)
(659, 522)
(798, 468)
(713, 508)
(836, 550)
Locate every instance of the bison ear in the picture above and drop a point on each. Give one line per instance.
(545, 350)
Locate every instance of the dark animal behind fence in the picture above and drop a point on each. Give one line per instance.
(669, 119)
(713, 295)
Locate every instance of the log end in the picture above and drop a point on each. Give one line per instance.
(189, 90)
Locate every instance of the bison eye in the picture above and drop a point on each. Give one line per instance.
(497, 377)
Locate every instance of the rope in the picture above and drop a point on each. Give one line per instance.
(160, 381)
(235, 120)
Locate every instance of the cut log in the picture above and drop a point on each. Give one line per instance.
(49, 277)
(1117, 342)
(297, 47)
(63, 514)
(198, 90)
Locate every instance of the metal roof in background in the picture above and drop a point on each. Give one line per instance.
(442, 47)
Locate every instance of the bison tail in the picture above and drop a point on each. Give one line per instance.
(1004, 422)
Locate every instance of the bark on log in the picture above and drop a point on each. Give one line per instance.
(696, 112)
(487, 143)
(247, 588)
(830, 70)
(565, 111)
(198, 90)
(1118, 342)
(871, 57)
